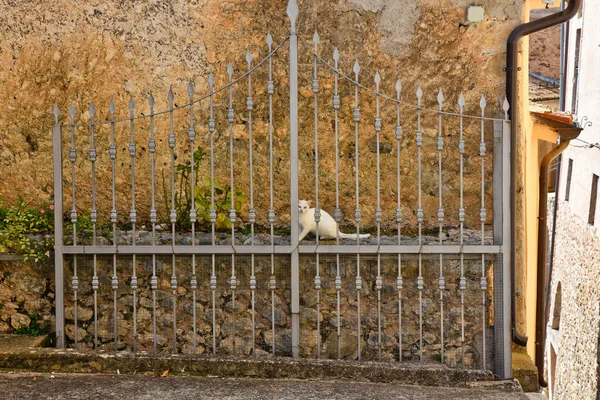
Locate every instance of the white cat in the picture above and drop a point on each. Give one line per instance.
(327, 225)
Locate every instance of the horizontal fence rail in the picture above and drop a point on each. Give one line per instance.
(217, 257)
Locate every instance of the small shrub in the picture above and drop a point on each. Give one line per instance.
(19, 222)
(202, 197)
(34, 328)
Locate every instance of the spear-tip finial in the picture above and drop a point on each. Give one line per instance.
(398, 86)
(151, 100)
(292, 12)
(111, 107)
(505, 106)
(377, 78)
(55, 112)
(461, 100)
(482, 102)
(336, 55)
(229, 70)
(356, 68)
(248, 57)
(211, 80)
(92, 109)
(191, 88)
(316, 38)
(419, 92)
(72, 110)
(269, 39)
(171, 97)
(440, 97)
(131, 104)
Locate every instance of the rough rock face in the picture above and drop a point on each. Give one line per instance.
(62, 52)
(574, 308)
(25, 290)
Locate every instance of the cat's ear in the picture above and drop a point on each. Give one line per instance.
(309, 202)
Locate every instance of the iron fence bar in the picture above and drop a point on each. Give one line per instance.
(232, 214)
(112, 152)
(317, 215)
(420, 285)
(75, 279)
(378, 280)
(192, 214)
(93, 219)
(213, 213)
(358, 282)
(272, 280)
(501, 301)
(173, 220)
(504, 272)
(292, 12)
(154, 278)
(133, 219)
(199, 99)
(482, 216)
(337, 212)
(440, 215)
(252, 212)
(461, 219)
(399, 282)
(58, 230)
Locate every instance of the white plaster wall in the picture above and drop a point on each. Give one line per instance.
(586, 161)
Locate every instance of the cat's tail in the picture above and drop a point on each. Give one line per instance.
(353, 235)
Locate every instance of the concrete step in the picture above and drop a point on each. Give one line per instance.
(94, 386)
(21, 354)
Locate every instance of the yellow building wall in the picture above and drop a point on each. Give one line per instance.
(528, 162)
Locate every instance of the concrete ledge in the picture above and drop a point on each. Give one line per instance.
(70, 361)
(524, 370)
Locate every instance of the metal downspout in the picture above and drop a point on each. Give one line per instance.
(511, 94)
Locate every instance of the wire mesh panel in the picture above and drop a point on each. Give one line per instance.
(192, 229)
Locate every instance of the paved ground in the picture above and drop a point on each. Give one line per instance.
(24, 386)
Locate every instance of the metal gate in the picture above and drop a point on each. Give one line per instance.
(388, 272)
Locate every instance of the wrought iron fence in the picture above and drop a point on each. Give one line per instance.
(294, 299)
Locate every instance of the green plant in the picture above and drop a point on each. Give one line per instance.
(182, 197)
(17, 225)
(222, 200)
(202, 197)
(34, 328)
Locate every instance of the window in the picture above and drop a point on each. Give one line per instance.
(593, 199)
(569, 175)
(574, 93)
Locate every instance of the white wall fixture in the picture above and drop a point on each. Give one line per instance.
(475, 13)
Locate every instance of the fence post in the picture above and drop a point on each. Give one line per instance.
(292, 12)
(58, 232)
(501, 176)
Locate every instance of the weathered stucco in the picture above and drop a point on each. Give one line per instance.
(62, 52)
(576, 269)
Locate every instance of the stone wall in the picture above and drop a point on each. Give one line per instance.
(577, 270)
(234, 320)
(25, 289)
(63, 52)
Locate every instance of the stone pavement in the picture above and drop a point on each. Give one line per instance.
(24, 386)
